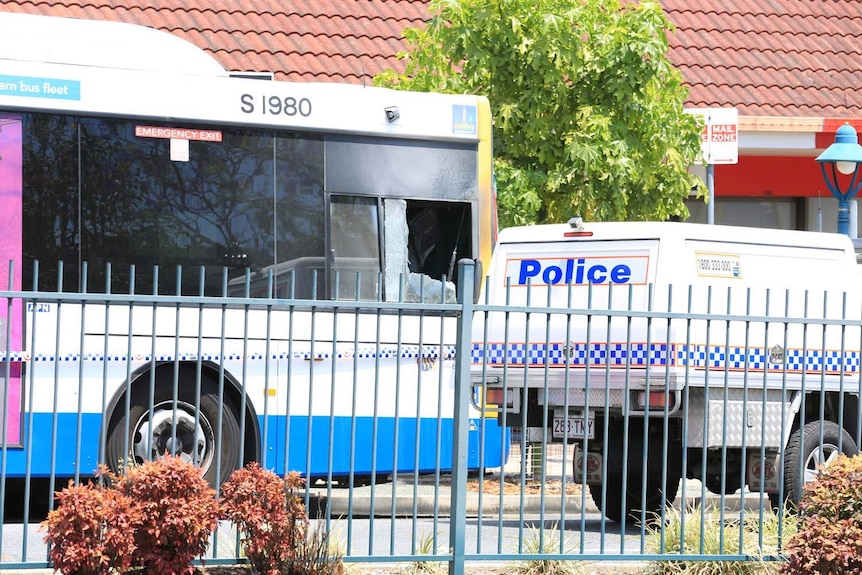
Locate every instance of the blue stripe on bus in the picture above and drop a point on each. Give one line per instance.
(496, 449)
(297, 452)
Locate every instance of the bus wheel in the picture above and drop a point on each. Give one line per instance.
(151, 433)
(805, 452)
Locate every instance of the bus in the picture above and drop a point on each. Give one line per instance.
(176, 236)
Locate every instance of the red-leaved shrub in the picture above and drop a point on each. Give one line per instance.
(829, 539)
(91, 531)
(269, 515)
(178, 513)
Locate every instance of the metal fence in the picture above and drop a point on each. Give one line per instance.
(425, 435)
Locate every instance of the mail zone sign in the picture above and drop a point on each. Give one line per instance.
(720, 137)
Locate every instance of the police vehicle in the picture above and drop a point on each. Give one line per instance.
(666, 350)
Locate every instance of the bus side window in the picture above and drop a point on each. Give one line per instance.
(354, 247)
(439, 235)
(423, 236)
(420, 240)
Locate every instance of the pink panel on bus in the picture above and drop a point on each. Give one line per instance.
(11, 333)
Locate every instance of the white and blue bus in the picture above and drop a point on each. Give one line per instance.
(133, 167)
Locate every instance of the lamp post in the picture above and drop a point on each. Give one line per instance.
(844, 156)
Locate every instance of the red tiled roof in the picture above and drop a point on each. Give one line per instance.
(789, 58)
(301, 40)
(797, 58)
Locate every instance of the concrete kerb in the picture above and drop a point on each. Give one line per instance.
(425, 499)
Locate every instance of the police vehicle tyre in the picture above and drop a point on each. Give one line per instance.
(805, 453)
(193, 444)
(732, 481)
(656, 497)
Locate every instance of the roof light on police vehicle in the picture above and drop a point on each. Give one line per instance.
(577, 225)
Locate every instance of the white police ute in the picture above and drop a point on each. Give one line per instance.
(666, 350)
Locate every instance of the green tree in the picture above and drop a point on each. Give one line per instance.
(588, 109)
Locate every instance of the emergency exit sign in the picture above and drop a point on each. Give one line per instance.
(720, 138)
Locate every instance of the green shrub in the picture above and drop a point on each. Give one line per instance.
(269, 515)
(706, 532)
(91, 531)
(178, 511)
(829, 539)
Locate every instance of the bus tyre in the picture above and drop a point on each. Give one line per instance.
(195, 441)
(656, 497)
(805, 452)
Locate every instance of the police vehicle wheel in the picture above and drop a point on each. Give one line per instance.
(187, 433)
(805, 453)
(774, 502)
(656, 497)
(732, 481)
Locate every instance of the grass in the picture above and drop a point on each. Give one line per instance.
(703, 531)
(706, 532)
(545, 542)
(425, 546)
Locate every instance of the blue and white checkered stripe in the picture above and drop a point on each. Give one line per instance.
(639, 354)
(758, 359)
(578, 354)
(533, 354)
(322, 352)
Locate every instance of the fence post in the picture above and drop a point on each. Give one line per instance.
(458, 493)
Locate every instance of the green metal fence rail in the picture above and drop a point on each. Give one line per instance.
(384, 407)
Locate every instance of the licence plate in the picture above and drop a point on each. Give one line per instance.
(573, 427)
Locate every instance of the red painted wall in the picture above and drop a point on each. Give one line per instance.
(772, 176)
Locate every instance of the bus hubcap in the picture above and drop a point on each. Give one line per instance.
(174, 433)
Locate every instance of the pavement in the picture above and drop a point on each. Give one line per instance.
(424, 498)
(425, 494)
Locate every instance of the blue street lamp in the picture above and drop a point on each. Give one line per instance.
(844, 156)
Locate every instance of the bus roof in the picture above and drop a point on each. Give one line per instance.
(68, 66)
(100, 43)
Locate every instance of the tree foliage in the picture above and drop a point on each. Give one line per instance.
(588, 109)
